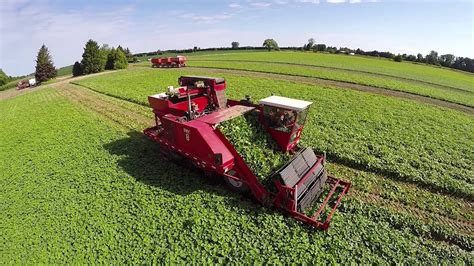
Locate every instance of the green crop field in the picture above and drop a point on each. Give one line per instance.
(436, 75)
(63, 71)
(80, 183)
(453, 95)
(370, 134)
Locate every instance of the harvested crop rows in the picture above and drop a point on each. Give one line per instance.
(463, 97)
(421, 72)
(339, 84)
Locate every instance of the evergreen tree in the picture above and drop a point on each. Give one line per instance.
(3, 78)
(91, 58)
(111, 59)
(77, 69)
(121, 61)
(128, 54)
(45, 69)
(116, 59)
(104, 53)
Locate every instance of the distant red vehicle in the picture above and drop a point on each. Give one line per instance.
(26, 83)
(178, 61)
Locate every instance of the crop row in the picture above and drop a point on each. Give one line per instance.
(125, 113)
(406, 140)
(456, 96)
(436, 75)
(80, 190)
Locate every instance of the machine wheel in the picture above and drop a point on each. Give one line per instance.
(236, 185)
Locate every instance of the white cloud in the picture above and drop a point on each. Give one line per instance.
(336, 1)
(26, 26)
(260, 4)
(280, 2)
(205, 19)
(355, 1)
(235, 5)
(309, 1)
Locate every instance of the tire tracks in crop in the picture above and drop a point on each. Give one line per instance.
(462, 226)
(414, 81)
(115, 110)
(344, 85)
(106, 107)
(13, 92)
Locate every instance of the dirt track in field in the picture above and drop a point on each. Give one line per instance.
(106, 106)
(345, 85)
(115, 110)
(58, 82)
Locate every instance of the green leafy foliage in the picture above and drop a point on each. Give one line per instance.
(270, 44)
(256, 147)
(3, 78)
(116, 59)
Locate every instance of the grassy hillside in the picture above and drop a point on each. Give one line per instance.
(63, 71)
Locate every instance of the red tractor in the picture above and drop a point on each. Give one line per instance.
(178, 61)
(186, 129)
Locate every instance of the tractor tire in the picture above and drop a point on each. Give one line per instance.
(238, 186)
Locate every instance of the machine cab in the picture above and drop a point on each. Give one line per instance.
(284, 119)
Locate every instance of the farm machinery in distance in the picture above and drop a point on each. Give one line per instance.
(186, 129)
(26, 83)
(178, 61)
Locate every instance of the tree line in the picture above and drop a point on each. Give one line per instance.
(97, 58)
(446, 60)
(94, 59)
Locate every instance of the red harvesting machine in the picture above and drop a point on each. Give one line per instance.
(186, 129)
(178, 61)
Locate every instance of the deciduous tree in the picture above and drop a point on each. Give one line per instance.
(270, 44)
(432, 58)
(447, 60)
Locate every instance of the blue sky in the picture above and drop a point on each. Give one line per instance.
(64, 26)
